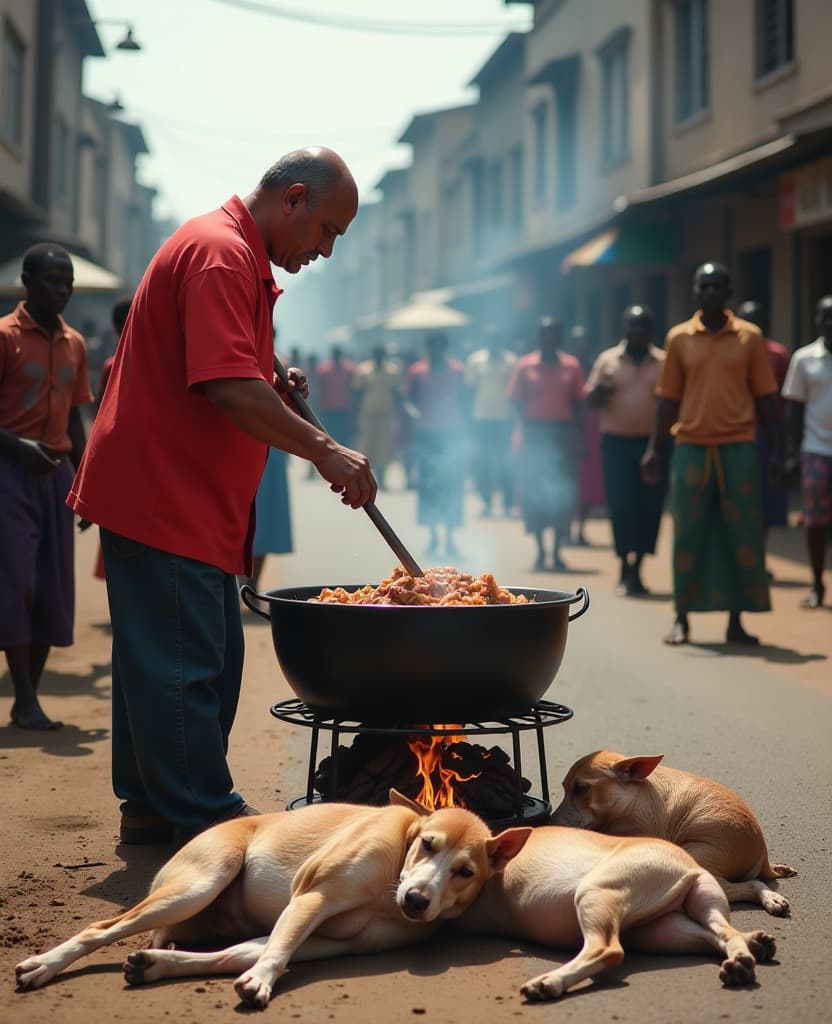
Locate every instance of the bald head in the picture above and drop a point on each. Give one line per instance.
(754, 313)
(823, 319)
(322, 171)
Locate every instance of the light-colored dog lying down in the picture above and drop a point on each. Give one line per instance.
(635, 796)
(322, 881)
(570, 888)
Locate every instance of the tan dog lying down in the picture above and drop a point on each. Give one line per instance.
(633, 796)
(322, 881)
(567, 886)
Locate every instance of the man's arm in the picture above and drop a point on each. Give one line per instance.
(667, 412)
(766, 407)
(77, 436)
(29, 454)
(255, 407)
(599, 385)
(795, 421)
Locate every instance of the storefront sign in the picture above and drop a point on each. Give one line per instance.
(805, 196)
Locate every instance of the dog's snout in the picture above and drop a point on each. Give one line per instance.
(415, 902)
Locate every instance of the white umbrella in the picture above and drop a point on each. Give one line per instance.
(89, 277)
(421, 315)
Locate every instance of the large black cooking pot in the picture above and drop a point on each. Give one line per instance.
(415, 663)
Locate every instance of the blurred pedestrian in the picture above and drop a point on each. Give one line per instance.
(378, 386)
(590, 481)
(714, 384)
(43, 384)
(118, 315)
(808, 391)
(335, 395)
(310, 367)
(435, 389)
(622, 385)
(774, 493)
(408, 415)
(170, 474)
(488, 372)
(546, 389)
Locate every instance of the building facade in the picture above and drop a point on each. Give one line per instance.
(68, 165)
(612, 149)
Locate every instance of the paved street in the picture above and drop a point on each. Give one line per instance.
(758, 720)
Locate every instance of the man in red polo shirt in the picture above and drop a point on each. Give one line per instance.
(170, 474)
(43, 382)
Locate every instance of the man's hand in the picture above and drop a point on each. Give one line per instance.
(651, 466)
(297, 382)
(348, 473)
(34, 457)
(791, 469)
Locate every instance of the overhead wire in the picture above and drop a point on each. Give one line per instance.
(336, 21)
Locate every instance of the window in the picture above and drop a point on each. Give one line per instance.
(428, 254)
(567, 143)
(495, 192)
(692, 58)
(98, 188)
(61, 161)
(615, 104)
(13, 53)
(517, 186)
(478, 206)
(539, 144)
(775, 35)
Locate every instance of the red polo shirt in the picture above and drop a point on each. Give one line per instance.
(163, 465)
(547, 391)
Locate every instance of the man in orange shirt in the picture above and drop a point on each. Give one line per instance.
(716, 381)
(43, 382)
(773, 494)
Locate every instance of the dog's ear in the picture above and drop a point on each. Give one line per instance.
(503, 847)
(400, 800)
(636, 769)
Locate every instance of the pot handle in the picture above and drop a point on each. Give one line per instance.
(581, 592)
(245, 591)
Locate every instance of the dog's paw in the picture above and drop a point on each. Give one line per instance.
(775, 904)
(253, 991)
(783, 870)
(762, 945)
(141, 967)
(737, 970)
(33, 972)
(545, 986)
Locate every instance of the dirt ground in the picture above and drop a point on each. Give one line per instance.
(62, 867)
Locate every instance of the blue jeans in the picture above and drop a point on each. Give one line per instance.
(177, 671)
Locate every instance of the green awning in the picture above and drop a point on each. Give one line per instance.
(624, 245)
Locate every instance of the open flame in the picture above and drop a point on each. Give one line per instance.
(438, 778)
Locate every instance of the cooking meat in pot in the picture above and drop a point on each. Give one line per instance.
(441, 586)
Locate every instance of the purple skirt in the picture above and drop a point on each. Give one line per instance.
(37, 582)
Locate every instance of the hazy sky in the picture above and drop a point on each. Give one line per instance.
(222, 91)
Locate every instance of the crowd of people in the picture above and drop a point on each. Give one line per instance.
(187, 455)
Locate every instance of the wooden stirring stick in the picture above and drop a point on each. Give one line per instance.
(384, 528)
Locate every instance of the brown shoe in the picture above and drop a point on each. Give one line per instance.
(144, 830)
(180, 836)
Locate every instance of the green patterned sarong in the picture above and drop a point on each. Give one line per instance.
(718, 551)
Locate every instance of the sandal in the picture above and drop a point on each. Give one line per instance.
(814, 599)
